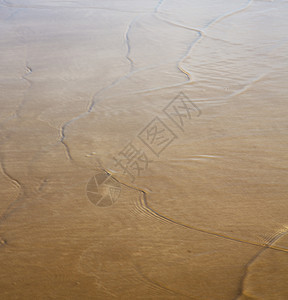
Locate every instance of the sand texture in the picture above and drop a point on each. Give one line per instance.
(143, 149)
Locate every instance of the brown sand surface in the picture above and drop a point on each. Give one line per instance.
(143, 149)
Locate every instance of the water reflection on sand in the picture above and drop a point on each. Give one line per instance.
(143, 149)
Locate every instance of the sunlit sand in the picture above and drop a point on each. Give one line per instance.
(143, 149)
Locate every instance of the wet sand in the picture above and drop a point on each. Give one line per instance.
(143, 149)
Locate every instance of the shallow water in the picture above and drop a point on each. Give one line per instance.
(143, 149)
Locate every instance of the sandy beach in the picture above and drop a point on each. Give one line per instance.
(143, 149)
